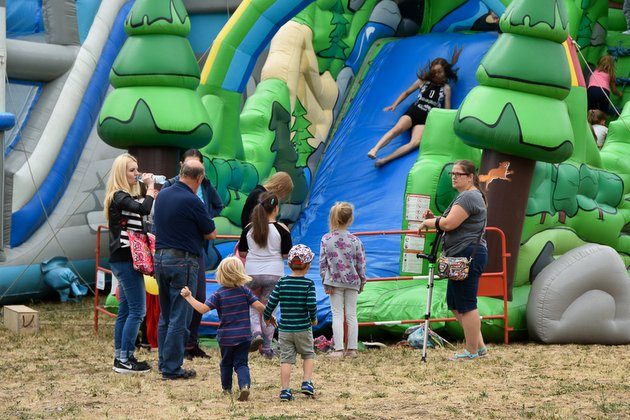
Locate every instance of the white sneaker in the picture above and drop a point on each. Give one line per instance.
(337, 354)
(626, 32)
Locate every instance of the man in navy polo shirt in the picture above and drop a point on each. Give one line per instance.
(182, 223)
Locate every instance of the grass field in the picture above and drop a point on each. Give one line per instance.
(65, 371)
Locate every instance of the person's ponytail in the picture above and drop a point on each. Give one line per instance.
(260, 218)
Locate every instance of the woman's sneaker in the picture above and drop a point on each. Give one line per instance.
(307, 388)
(195, 351)
(286, 395)
(131, 366)
(465, 356)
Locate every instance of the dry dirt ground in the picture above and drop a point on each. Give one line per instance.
(65, 371)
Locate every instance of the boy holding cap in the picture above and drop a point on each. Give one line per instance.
(298, 307)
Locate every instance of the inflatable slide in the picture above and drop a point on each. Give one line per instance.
(60, 54)
(300, 87)
(544, 233)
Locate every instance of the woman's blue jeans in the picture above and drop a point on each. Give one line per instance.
(131, 309)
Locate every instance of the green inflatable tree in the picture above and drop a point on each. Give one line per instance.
(286, 156)
(517, 114)
(340, 30)
(154, 110)
(301, 134)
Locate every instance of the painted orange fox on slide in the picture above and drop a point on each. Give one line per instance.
(502, 172)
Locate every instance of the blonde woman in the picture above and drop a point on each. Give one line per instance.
(342, 268)
(124, 208)
(232, 302)
(279, 183)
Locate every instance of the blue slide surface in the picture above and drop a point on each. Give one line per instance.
(347, 174)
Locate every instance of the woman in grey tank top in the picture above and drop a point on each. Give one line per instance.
(463, 223)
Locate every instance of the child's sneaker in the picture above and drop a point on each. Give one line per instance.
(286, 395)
(352, 353)
(243, 394)
(268, 354)
(337, 354)
(257, 340)
(307, 388)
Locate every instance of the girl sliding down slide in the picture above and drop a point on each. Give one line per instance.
(435, 92)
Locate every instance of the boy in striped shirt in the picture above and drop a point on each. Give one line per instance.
(298, 308)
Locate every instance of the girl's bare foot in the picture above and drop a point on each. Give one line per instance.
(380, 163)
(372, 153)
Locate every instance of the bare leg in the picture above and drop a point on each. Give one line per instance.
(307, 365)
(416, 136)
(472, 330)
(458, 316)
(480, 342)
(403, 124)
(285, 375)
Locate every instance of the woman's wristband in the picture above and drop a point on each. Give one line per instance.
(437, 223)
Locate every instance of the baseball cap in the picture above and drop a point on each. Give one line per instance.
(301, 254)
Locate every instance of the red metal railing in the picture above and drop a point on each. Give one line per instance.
(98, 309)
(492, 284)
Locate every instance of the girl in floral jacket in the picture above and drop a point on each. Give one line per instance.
(342, 268)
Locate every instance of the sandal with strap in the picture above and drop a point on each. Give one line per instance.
(465, 356)
(482, 351)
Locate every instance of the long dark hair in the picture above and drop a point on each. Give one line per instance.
(450, 73)
(260, 217)
(469, 168)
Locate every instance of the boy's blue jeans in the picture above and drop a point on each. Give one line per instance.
(131, 308)
(174, 270)
(234, 358)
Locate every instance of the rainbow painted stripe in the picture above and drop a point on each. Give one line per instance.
(242, 39)
(577, 78)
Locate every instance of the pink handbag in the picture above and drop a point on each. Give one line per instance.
(142, 247)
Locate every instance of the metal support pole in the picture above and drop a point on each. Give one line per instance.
(3, 70)
(431, 257)
(427, 314)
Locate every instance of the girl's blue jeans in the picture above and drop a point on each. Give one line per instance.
(131, 309)
(234, 359)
